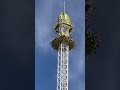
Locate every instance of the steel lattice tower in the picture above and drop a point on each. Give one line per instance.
(63, 43)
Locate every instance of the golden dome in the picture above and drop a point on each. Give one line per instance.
(64, 18)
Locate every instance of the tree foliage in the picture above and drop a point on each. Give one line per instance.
(92, 39)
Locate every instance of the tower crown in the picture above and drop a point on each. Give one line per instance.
(64, 18)
(63, 27)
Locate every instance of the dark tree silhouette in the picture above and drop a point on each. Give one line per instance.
(92, 39)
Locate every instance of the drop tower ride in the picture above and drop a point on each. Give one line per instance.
(63, 43)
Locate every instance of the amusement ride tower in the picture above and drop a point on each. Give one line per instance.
(63, 43)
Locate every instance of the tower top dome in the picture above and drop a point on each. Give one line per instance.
(64, 18)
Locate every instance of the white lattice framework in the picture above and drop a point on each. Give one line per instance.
(62, 67)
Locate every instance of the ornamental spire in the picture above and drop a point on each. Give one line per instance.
(64, 6)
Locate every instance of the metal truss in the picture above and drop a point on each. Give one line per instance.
(62, 67)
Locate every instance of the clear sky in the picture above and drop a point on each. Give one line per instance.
(46, 13)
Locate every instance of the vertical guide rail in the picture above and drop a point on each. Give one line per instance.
(58, 71)
(67, 64)
(61, 56)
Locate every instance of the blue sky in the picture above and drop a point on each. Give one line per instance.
(46, 13)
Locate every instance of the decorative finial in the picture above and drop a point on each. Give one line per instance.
(64, 6)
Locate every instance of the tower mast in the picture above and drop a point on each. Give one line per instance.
(62, 44)
(64, 6)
